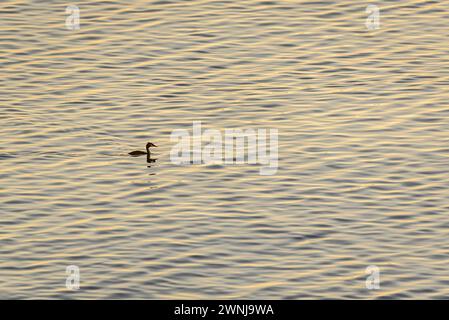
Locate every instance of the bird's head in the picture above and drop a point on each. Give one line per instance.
(149, 144)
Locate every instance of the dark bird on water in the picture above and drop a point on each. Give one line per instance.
(141, 153)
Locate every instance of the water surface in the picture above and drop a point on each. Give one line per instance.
(363, 149)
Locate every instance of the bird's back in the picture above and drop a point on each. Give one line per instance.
(137, 153)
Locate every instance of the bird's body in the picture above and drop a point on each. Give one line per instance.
(137, 153)
(141, 153)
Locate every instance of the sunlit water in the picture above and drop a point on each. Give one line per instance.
(363, 173)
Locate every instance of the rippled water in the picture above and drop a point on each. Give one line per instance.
(363, 173)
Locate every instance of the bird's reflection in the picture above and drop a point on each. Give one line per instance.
(149, 160)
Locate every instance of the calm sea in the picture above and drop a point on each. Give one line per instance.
(363, 126)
